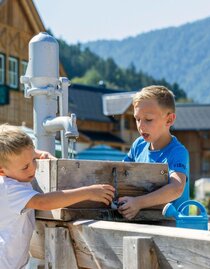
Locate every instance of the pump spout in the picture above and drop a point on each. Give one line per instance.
(66, 123)
(72, 131)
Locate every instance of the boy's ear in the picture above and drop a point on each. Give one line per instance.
(170, 119)
(2, 171)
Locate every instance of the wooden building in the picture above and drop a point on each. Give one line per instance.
(19, 22)
(94, 126)
(192, 128)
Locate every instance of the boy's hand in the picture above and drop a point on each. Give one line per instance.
(101, 193)
(40, 154)
(129, 208)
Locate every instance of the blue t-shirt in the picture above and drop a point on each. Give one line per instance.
(174, 154)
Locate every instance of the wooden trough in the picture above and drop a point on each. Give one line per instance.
(91, 235)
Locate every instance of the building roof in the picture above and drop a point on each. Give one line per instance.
(188, 116)
(192, 117)
(32, 14)
(101, 152)
(86, 102)
(117, 103)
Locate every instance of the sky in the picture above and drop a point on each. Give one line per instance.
(89, 20)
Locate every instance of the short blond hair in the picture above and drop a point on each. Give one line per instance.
(12, 141)
(163, 95)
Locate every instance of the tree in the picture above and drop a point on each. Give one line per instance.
(85, 67)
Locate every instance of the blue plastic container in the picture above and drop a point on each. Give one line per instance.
(199, 222)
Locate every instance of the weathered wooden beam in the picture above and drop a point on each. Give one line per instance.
(132, 178)
(59, 252)
(139, 253)
(72, 214)
(102, 241)
(99, 244)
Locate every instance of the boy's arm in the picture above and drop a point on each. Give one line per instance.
(47, 201)
(165, 194)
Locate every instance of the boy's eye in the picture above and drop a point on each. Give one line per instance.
(148, 119)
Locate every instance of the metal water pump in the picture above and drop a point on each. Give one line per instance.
(50, 95)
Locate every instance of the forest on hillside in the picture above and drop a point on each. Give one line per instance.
(178, 54)
(85, 67)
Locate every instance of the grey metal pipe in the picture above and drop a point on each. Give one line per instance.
(42, 82)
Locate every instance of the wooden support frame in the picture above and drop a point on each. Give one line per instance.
(99, 244)
(139, 253)
(59, 252)
(175, 247)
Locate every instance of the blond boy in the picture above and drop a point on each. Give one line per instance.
(18, 199)
(154, 112)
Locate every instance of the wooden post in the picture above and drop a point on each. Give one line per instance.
(139, 253)
(59, 252)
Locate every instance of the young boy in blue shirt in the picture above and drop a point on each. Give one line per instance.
(154, 112)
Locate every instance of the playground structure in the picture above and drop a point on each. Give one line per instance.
(91, 235)
(88, 234)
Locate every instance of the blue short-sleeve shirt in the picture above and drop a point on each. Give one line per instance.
(174, 154)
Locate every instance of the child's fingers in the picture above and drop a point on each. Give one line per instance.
(123, 199)
(44, 155)
(123, 203)
(108, 187)
(106, 199)
(47, 155)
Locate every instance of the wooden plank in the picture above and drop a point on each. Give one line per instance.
(139, 253)
(147, 177)
(56, 214)
(72, 214)
(59, 252)
(101, 243)
(37, 244)
(43, 173)
(53, 175)
(132, 178)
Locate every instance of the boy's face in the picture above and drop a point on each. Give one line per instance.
(21, 167)
(153, 122)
